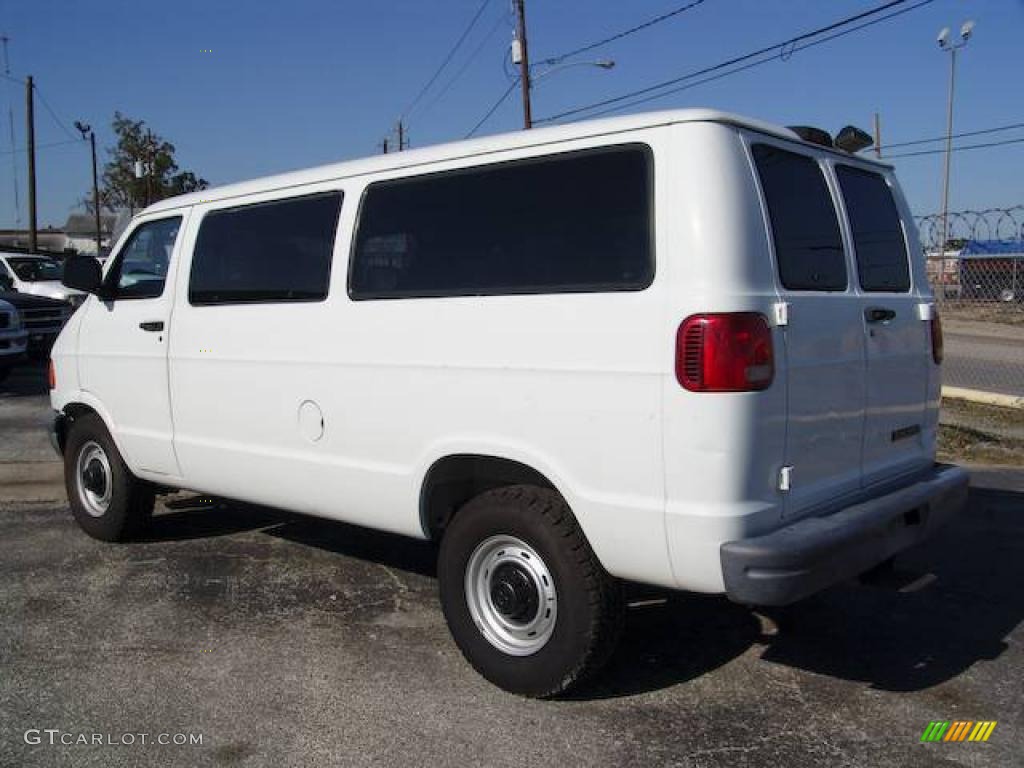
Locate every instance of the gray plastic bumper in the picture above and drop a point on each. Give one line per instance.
(817, 552)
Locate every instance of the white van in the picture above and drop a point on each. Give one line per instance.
(682, 348)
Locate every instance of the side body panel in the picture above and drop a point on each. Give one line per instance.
(569, 384)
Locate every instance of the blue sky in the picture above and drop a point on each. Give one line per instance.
(304, 82)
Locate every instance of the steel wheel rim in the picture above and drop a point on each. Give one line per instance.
(94, 479)
(502, 565)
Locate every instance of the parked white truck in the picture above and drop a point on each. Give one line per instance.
(685, 348)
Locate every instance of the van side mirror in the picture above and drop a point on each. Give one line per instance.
(83, 273)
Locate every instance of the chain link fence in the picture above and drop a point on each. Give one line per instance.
(977, 275)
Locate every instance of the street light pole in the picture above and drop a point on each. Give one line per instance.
(599, 64)
(96, 196)
(949, 150)
(951, 48)
(86, 130)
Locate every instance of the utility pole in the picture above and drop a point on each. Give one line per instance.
(384, 145)
(521, 52)
(401, 136)
(878, 136)
(30, 119)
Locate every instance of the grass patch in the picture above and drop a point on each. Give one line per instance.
(993, 419)
(983, 434)
(1007, 313)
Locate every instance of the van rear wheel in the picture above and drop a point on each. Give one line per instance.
(107, 501)
(525, 597)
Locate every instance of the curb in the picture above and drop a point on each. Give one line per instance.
(32, 481)
(980, 396)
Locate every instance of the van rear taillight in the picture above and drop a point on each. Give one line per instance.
(936, 328)
(725, 352)
(51, 376)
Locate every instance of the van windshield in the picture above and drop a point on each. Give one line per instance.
(35, 270)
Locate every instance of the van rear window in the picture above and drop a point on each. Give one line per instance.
(805, 228)
(579, 221)
(269, 252)
(878, 240)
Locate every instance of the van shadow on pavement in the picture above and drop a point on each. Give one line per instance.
(951, 603)
(914, 639)
(191, 516)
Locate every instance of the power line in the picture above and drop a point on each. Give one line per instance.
(46, 104)
(785, 52)
(10, 126)
(984, 145)
(448, 58)
(465, 65)
(625, 33)
(784, 49)
(19, 150)
(53, 114)
(954, 136)
(493, 109)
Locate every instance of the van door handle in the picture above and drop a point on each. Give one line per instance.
(152, 325)
(879, 314)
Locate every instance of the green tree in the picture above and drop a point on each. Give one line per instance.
(161, 177)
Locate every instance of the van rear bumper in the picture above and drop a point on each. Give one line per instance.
(817, 552)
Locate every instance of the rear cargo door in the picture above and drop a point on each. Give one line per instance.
(896, 335)
(821, 318)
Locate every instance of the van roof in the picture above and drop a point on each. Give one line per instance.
(481, 147)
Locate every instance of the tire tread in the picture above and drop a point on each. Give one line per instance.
(603, 592)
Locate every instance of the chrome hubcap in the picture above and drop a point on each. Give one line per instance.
(511, 595)
(94, 479)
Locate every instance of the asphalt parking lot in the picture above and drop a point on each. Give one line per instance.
(284, 640)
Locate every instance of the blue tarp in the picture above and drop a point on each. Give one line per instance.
(993, 248)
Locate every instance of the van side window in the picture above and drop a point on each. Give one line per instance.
(878, 241)
(805, 228)
(574, 222)
(278, 251)
(141, 268)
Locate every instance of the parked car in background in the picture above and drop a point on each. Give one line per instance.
(41, 317)
(13, 338)
(39, 276)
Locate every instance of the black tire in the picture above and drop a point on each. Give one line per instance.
(129, 507)
(590, 608)
(4, 373)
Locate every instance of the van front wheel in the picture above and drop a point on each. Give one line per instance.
(526, 599)
(107, 501)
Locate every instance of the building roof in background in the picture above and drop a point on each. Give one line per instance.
(85, 224)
